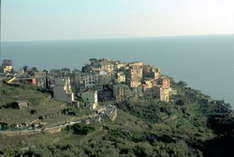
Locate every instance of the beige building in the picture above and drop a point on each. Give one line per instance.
(156, 73)
(120, 77)
(162, 93)
(90, 98)
(135, 74)
(164, 81)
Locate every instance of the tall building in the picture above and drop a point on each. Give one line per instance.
(135, 74)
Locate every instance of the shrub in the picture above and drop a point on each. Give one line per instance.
(81, 129)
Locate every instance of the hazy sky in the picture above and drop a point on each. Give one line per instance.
(79, 19)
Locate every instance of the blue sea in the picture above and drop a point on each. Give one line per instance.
(206, 63)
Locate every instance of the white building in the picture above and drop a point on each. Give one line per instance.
(90, 98)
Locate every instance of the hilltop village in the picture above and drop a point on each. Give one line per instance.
(100, 81)
(107, 107)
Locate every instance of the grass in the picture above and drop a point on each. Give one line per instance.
(41, 103)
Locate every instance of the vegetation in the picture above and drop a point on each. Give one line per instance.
(80, 129)
(189, 126)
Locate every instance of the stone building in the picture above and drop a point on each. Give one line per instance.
(121, 92)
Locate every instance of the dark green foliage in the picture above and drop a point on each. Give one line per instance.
(80, 129)
(70, 111)
(146, 128)
(221, 125)
(221, 146)
(151, 111)
(33, 111)
(3, 126)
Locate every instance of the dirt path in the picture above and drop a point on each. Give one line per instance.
(51, 130)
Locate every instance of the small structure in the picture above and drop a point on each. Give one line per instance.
(7, 66)
(149, 71)
(111, 112)
(90, 98)
(62, 90)
(18, 105)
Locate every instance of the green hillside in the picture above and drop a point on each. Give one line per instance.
(180, 128)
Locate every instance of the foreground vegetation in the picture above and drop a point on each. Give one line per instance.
(189, 126)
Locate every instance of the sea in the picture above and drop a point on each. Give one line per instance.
(206, 63)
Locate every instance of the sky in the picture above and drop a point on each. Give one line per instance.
(26, 20)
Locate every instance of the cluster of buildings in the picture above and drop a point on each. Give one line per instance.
(101, 80)
(111, 80)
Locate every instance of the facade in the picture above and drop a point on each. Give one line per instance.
(40, 80)
(162, 93)
(156, 73)
(121, 92)
(120, 77)
(97, 65)
(135, 74)
(62, 90)
(149, 71)
(90, 79)
(60, 73)
(90, 98)
(120, 65)
(147, 88)
(164, 82)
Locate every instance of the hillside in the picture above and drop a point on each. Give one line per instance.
(143, 127)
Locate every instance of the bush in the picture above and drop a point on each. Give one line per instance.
(81, 129)
(3, 126)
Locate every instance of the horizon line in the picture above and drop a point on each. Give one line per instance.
(117, 38)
